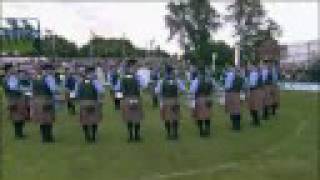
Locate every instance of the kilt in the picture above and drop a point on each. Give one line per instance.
(267, 98)
(254, 99)
(43, 110)
(275, 94)
(170, 109)
(203, 107)
(18, 108)
(90, 112)
(131, 109)
(232, 102)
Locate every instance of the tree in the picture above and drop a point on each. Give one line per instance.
(63, 47)
(193, 21)
(248, 17)
(224, 56)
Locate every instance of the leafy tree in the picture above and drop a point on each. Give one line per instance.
(248, 17)
(224, 56)
(193, 21)
(61, 47)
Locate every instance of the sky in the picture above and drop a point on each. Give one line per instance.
(143, 21)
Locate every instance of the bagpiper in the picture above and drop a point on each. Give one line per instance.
(266, 89)
(71, 86)
(43, 107)
(16, 101)
(89, 94)
(131, 104)
(233, 85)
(168, 90)
(115, 90)
(202, 88)
(254, 94)
(155, 76)
(275, 90)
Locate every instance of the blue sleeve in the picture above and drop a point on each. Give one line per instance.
(157, 88)
(50, 81)
(98, 86)
(181, 85)
(194, 86)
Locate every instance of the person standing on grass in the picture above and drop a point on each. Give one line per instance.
(233, 85)
(16, 101)
(43, 109)
(267, 82)
(89, 92)
(71, 85)
(253, 95)
(155, 76)
(202, 88)
(131, 104)
(168, 90)
(275, 91)
(115, 89)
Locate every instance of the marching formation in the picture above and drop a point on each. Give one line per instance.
(32, 91)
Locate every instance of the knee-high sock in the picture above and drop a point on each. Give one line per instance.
(94, 131)
(137, 131)
(274, 108)
(255, 117)
(86, 132)
(200, 126)
(235, 118)
(266, 112)
(207, 127)
(50, 132)
(175, 125)
(117, 103)
(43, 132)
(130, 130)
(168, 128)
(16, 129)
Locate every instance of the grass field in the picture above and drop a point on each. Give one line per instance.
(285, 147)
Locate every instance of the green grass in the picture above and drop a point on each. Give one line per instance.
(283, 148)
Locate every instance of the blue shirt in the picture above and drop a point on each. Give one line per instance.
(253, 79)
(228, 81)
(98, 86)
(50, 82)
(264, 74)
(194, 86)
(13, 83)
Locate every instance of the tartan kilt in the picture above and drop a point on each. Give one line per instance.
(275, 94)
(232, 102)
(43, 110)
(254, 99)
(131, 109)
(203, 106)
(18, 109)
(267, 98)
(170, 110)
(90, 112)
(67, 95)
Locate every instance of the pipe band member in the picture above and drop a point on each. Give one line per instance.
(71, 86)
(43, 108)
(254, 95)
(131, 104)
(168, 90)
(16, 102)
(202, 88)
(89, 92)
(233, 86)
(266, 87)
